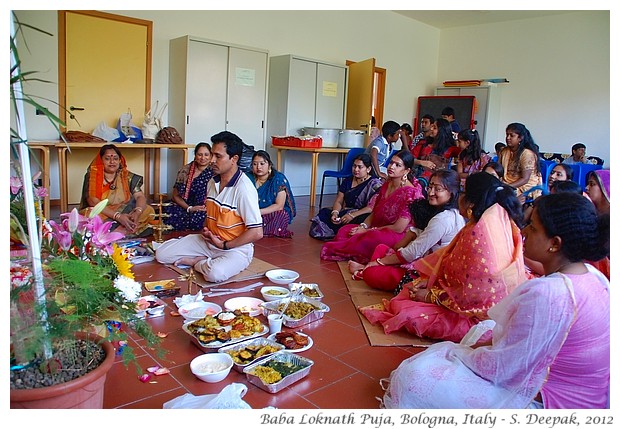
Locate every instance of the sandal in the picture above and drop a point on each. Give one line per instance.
(358, 275)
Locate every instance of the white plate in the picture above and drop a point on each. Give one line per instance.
(272, 337)
(245, 304)
(282, 277)
(198, 310)
(217, 344)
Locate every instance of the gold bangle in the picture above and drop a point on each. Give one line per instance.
(429, 296)
(378, 261)
(116, 216)
(139, 209)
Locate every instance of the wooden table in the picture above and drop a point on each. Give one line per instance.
(63, 148)
(315, 162)
(44, 147)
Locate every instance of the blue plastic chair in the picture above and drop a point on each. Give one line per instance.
(389, 158)
(345, 171)
(580, 176)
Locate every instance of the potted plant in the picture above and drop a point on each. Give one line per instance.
(73, 285)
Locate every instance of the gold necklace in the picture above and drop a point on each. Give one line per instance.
(111, 182)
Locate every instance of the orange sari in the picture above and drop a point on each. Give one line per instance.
(120, 193)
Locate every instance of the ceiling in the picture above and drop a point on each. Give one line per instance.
(459, 18)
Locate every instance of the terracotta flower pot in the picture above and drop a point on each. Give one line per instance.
(83, 392)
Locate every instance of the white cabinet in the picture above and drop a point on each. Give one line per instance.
(486, 111)
(305, 93)
(214, 86)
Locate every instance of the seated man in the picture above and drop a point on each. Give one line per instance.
(233, 223)
(578, 155)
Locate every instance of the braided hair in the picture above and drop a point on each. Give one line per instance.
(573, 218)
(483, 190)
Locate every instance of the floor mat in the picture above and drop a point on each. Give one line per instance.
(362, 295)
(255, 270)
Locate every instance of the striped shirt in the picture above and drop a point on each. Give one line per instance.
(232, 210)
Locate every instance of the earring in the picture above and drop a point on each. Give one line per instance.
(551, 249)
(269, 171)
(403, 180)
(469, 213)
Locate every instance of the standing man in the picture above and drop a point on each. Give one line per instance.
(448, 114)
(233, 223)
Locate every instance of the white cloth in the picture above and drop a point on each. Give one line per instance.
(438, 233)
(532, 324)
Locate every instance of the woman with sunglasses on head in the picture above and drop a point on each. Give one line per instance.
(437, 220)
(550, 345)
(455, 286)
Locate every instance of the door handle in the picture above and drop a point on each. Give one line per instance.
(72, 108)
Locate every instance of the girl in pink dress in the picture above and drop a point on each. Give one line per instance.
(550, 340)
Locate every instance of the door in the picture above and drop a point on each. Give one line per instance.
(302, 95)
(207, 72)
(330, 91)
(104, 68)
(247, 85)
(360, 95)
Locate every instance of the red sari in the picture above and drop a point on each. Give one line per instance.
(385, 211)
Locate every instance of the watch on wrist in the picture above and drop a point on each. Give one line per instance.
(225, 245)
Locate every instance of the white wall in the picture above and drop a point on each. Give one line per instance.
(559, 73)
(558, 66)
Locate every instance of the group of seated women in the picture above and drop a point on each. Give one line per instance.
(108, 177)
(510, 303)
(469, 270)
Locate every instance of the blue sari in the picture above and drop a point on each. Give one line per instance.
(276, 224)
(179, 218)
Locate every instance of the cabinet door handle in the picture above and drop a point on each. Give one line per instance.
(187, 120)
(72, 108)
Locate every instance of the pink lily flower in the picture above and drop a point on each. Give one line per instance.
(79, 221)
(61, 235)
(102, 238)
(16, 185)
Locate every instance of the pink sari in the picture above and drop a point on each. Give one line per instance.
(480, 266)
(385, 211)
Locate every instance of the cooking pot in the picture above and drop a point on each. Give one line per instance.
(351, 138)
(329, 135)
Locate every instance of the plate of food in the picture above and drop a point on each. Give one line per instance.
(294, 342)
(247, 352)
(245, 304)
(208, 334)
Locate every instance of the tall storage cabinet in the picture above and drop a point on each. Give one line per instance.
(305, 93)
(214, 86)
(486, 112)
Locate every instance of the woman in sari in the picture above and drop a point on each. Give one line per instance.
(188, 211)
(457, 284)
(275, 198)
(598, 189)
(107, 177)
(437, 151)
(550, 345)
(437, 221)
(388, 220)
(520, 159)
(351, 204)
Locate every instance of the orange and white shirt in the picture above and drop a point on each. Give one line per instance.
(233, 209)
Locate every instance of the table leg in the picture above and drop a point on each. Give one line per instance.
(64, 186)
(279, 160)
(315, 166)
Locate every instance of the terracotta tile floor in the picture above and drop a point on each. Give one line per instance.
(343, 359)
